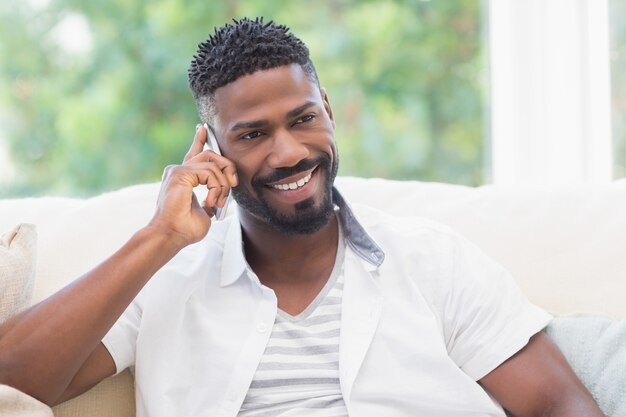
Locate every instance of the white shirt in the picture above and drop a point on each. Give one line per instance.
(421, 322)
(299, 372)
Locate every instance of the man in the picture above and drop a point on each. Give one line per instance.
(296, 305)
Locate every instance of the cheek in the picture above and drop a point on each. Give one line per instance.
(245, 180)
(331, 143)
(245, 173)
(322, 135)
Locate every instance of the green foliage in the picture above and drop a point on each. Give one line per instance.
(405, 79)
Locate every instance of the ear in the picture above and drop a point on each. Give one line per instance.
(327, 107)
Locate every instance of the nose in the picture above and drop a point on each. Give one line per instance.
(286, 150)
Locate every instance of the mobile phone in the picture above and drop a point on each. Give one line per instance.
(211, 144)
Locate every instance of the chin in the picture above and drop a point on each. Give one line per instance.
(306, 221)
(307, 216)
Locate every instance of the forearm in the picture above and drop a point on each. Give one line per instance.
(42, 348)
(45, 347)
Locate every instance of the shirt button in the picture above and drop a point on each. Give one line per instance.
(261, 327)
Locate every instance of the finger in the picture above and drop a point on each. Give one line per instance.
(209, 211)
(201, 173)
(198, 143)
(225, 192)
(223, 177)
(224, 164)
(197, 153)
(213, 196)
(231, 173)
(224, 187)
(214, 190)
(227, 167)
(220, 180)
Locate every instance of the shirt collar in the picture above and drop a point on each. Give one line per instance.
(234, 263)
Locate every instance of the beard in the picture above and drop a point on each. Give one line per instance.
(308, 218)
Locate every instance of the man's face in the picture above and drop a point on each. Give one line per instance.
(277, 127)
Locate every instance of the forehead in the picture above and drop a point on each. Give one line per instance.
(264, 95)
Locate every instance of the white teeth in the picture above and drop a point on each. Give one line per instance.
(293, 185)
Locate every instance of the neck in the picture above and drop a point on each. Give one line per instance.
(275, 256)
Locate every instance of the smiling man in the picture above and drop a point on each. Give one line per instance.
(298, 304)
(277, 124)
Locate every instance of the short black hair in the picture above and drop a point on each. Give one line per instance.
(241, 48)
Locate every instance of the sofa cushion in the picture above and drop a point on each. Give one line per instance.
(75, 234)
(595, 347)
(112, 397)
(14, 403)
(18, 249)
(563, 244)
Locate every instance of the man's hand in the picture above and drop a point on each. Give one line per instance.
(53, 350)
(179, 214)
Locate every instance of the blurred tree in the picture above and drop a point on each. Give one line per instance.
(108, 105)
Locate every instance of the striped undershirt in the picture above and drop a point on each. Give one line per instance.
(299, 372)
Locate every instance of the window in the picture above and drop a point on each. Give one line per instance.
(550, 83)
(419, 89)
(617, 25)
(407, 81)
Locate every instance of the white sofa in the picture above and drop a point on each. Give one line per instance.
(565, 245)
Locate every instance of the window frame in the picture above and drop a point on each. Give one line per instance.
(550, 91)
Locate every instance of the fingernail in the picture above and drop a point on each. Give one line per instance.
(198, 126)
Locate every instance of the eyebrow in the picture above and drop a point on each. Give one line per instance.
(255, 124)
(249, 125)
(295, 112)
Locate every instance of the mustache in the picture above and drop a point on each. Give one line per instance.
(281, 173)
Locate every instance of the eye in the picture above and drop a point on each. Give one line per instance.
(251, 135)
(305, 119)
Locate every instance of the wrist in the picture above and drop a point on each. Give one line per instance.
(168, 239)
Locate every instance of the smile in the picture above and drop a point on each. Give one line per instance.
(293, 185)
